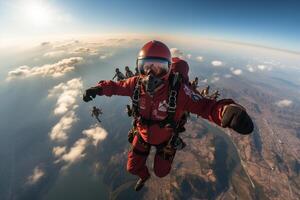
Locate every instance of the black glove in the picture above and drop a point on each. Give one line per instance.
(91, 93)
(237, 118)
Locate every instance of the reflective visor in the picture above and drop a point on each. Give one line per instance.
(157, 67)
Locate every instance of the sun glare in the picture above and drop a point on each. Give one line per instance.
(38, 13)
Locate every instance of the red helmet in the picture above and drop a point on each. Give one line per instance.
(155, 58)
(155, 49)
(180, 66)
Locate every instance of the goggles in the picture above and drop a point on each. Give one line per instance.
(155, 66)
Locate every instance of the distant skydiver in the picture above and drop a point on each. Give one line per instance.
(195, 83)
(96, 112)
(159, 100)
(136, 71)
(128, 72)
(215, 95)
(205, 91)
(120, 76)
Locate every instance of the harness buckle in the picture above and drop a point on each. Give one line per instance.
(172, 101)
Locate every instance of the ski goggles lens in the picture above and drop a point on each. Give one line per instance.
(158, 67)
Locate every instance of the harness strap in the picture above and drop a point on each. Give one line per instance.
(172, 102)
(136, 98)
(174, 82)
(174, 86)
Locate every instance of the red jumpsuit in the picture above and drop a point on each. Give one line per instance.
(155, 108)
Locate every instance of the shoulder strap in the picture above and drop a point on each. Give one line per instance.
(174, 86)
(136, 97)
(174, 82)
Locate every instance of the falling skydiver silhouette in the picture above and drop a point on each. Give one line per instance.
(96, 112)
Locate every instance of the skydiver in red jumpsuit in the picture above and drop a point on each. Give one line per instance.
(155, 100)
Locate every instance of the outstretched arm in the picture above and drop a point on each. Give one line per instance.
(109, 88)
(225, 113)
(208, 109)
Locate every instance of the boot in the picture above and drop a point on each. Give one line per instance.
(140, 183)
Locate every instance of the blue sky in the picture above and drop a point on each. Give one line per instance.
(269, 23)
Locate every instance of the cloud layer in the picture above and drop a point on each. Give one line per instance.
(60, 131)
(237, 72)
(66, 104)
(284, 103)
(199, 58)
(92, 136)
(67, 94)
(178, 53)
(257, 68)
(58, 151)
(53, 70)
(76, 152)
(37, 174)
(96, 134)
(217, 63)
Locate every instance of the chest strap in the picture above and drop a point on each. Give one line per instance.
(136, 98)
(174, 86)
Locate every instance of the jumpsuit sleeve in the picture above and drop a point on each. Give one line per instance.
(206, 108)
(121, 88)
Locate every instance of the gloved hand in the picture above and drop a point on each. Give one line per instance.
(235, 117)
(91, 93)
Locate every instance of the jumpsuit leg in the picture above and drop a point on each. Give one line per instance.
(162, 167)
(136, 163)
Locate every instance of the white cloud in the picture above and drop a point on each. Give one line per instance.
(66, 104)
(58, 151)
(264, 67)
(261, 67)
(102, 57)
(227, 75)
(37, 174)
(67, 94)
(217, 63)
(204, 80)
(96, 134)
(177, 53)
(75, 153)
(199, 58)
(54, 54)
(105, 56)
(53, 70)
(250, 68)
(93, 135)
(215, 79)
(46, 43)
(85, 50)
(60, 131)
(284, 103)
(66, 45)
(237, 72)
(72, 50)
